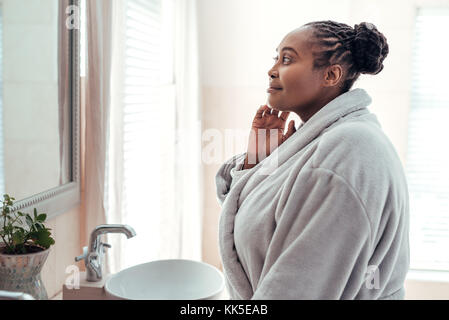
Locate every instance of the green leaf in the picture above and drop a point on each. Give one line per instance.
(42, 237)
(18, 237)
(41, 217)
(35, 213)
(20, 228)
(28, 220)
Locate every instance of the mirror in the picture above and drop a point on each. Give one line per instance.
(39, 129)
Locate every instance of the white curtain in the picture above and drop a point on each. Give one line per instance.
(189, 174)
(165, 207)
(97, 112)
(115, 165)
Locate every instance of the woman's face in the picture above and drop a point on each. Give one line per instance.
(300, 86)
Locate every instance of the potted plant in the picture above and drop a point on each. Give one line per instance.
(24, 248)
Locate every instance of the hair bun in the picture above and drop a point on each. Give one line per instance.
(369, 48)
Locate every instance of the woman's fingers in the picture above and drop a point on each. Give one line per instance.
(275, 112)
(284, 115)
(291, 129)
(263, 110)
(267, 110)
(260, 112)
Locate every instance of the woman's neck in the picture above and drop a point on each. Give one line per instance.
(306, 113)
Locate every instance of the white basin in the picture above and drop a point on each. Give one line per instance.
(174, 279)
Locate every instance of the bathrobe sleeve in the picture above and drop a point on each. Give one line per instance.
(228, 175)
(322, 241)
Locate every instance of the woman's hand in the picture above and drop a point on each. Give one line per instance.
(266, 119)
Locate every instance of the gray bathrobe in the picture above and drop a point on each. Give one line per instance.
(325, 216)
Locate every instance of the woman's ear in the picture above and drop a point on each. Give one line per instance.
(333, 75)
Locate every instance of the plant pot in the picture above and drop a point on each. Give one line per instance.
(22, 273)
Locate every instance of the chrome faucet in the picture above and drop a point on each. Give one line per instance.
(94, 256)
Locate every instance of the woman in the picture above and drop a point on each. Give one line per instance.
(330, 218)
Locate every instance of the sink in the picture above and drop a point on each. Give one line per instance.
(173, 279)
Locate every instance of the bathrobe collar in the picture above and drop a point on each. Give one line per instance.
(342, 106)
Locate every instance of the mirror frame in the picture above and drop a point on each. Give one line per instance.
(67, 196)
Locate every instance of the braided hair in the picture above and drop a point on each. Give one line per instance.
(361, 49)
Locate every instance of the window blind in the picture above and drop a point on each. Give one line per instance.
(428, 149)
(148, 124)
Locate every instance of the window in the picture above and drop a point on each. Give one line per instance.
(147, 114)
(428, 147)
(153, 147)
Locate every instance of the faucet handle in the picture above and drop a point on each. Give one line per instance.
(83, 256)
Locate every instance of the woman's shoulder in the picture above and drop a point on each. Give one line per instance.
(355, 142)
(354, 133)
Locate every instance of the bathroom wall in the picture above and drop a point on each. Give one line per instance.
(66, 232)
(237, 40)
